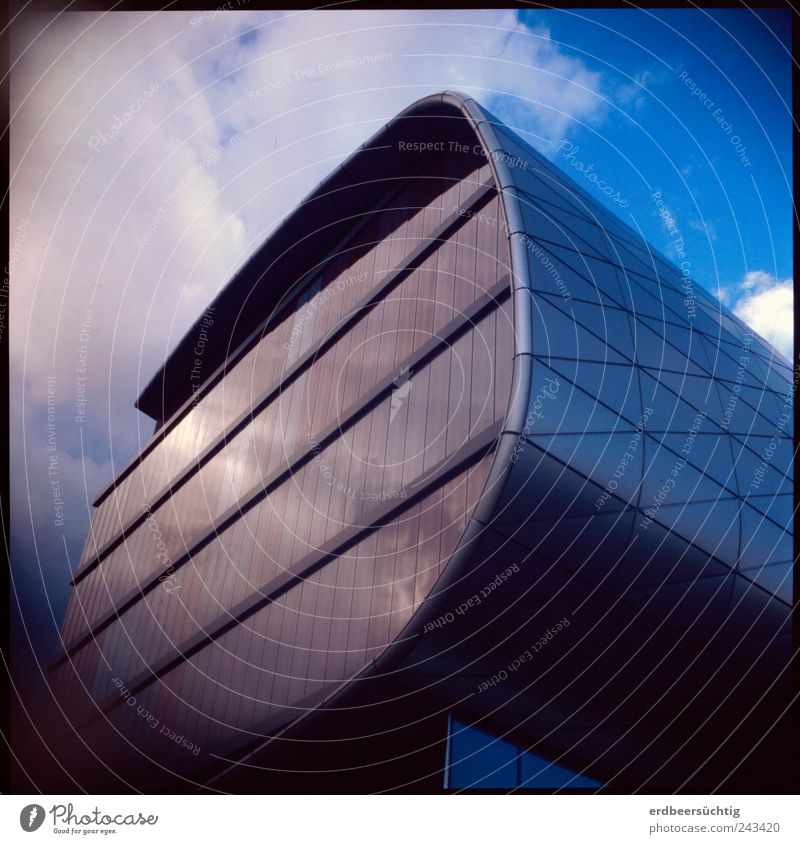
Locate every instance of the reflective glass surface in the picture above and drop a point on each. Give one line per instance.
(330, 623)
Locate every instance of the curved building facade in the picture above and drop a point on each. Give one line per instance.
(457, 484)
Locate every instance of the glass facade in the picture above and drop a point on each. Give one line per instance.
(340, 288)
(491, 413)
(299, 511)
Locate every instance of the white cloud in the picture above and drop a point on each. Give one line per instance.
(90, 207)
(766, 304)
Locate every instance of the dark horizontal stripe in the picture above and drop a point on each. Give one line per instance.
(453, 222)
(379, 515)
(429, 350)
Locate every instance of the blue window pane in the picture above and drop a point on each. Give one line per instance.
(478, 760)
(539, 773)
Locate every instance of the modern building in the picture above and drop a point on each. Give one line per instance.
(458, 483)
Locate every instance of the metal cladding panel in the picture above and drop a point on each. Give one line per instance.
(648, 500)
(654, 468)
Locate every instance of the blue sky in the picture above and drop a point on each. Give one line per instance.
(735, 219)
(151, 153)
